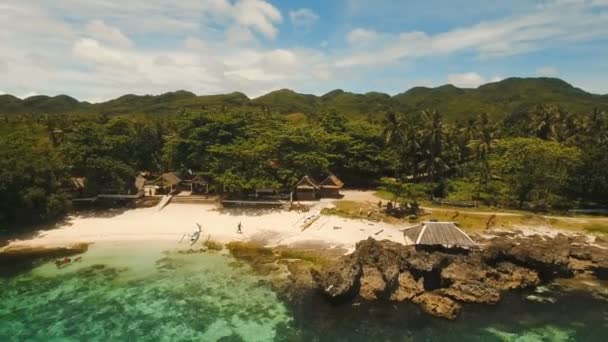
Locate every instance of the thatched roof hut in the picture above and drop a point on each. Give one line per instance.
(332, 182)
(169, 178)
(330, 186)
(445, 234)
(77, 183)
(307, 183)
(307, 189)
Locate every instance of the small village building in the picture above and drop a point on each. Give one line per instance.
(330, 187)
(307, 189)
(168, 182)
(445, 234)
(196, 185)
(76, 186)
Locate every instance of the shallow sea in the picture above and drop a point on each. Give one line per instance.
(152, 292)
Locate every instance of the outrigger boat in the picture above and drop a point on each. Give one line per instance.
(196, 235)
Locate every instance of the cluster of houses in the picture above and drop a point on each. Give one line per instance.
(307, 189)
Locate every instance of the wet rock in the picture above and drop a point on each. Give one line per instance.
(508, 276)
(372, 283)
(472, 292)
(437, 305)
(407, 287)
(340, 280)
(549, 257)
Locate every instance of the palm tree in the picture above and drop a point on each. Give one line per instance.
(393, 128)
(401, 131)
(482, 147)
(544, 122)
(433, 138)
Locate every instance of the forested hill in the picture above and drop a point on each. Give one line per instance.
(497, 99)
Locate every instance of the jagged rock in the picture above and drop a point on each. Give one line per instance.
(549, 257)
(340, 280)
(508, 276)
(472, 292)
(437, 305)
(427, 262)
(407, 287)
(465, 270)
(372, 283)
(438, 279)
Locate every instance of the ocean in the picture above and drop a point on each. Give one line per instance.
(154, 292)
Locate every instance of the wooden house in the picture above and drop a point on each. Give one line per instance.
(330, 187)
(168, 182)
(307, 189)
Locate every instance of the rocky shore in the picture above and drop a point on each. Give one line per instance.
(440, 281)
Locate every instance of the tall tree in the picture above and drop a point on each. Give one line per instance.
(433, 139)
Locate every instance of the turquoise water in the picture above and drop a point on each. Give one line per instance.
(155, 293)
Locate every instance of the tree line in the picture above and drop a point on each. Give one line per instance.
(541, 158)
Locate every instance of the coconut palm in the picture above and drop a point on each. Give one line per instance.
(482, 147)
(544, 122)
(433, 143)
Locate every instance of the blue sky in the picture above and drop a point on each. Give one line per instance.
(100, 49)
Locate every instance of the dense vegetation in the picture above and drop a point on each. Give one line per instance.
(496, 99)
(540, 156)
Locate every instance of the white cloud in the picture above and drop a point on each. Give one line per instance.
(547, 71)
(360, 36)
(97, 29)
(469, 80)
(303, 17)
(91, 51)
(556, 24)
(257, 15)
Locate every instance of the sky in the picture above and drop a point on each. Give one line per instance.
(97, 50)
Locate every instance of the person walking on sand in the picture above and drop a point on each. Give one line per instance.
(239, 229)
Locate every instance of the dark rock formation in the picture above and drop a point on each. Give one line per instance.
(407, 287)
(437, 305)
(341, 280)
(439, 280)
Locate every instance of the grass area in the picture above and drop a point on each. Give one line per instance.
(471, 219)
(213, 245)
(597, 228)
(359, 210)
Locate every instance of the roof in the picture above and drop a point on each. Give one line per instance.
(170, 178)
(307, 183)
(332, 182)
(77, 182)
(445, 234)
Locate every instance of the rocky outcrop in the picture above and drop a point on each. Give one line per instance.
(407, 287)
(437, 305)
(372, 283)
(341, 280)
(440, 280)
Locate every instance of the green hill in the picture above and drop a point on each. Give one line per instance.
(498, 99)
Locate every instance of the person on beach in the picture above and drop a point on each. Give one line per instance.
(239, 229)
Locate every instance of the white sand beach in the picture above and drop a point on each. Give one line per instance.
(269, 227)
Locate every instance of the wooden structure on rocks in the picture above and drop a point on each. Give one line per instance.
(445, 234)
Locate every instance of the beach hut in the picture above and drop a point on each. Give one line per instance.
(76, 186)
(445, 234)
(168, 181)
(307, 189)
(330, 186)
(197, 185)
